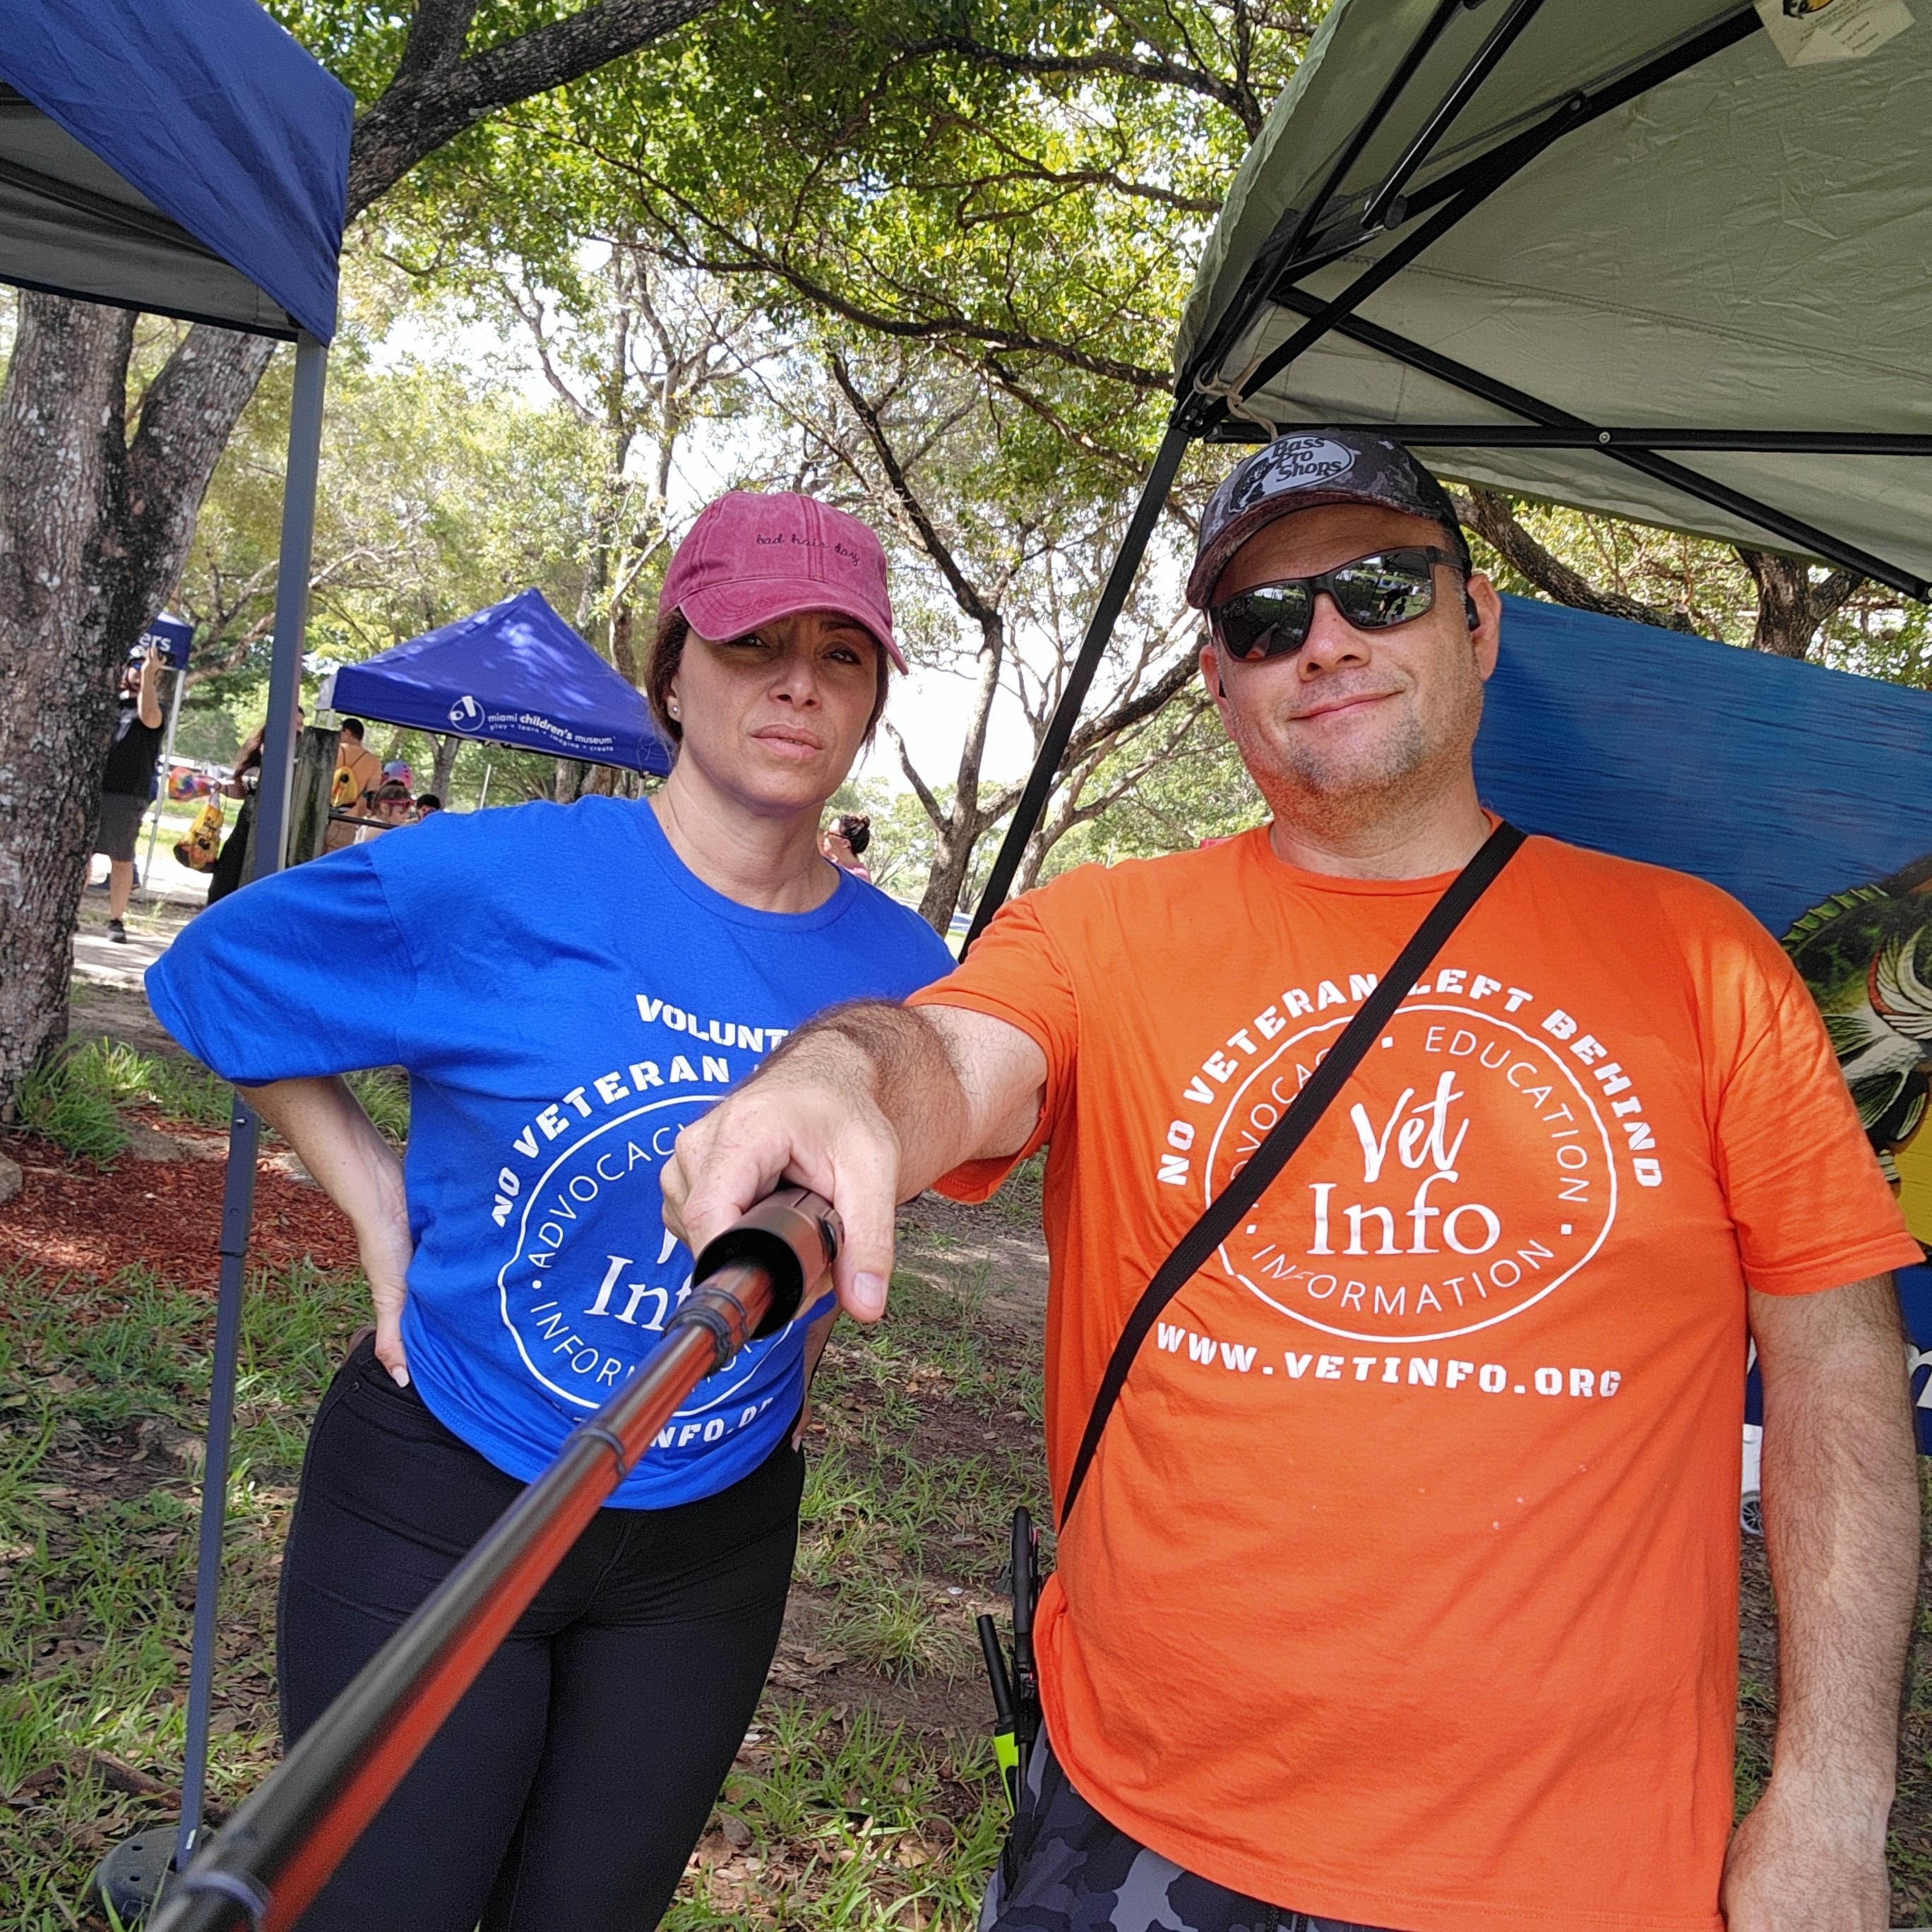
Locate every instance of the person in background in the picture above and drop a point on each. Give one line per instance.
(426, 804)
(128, 780)
(357, 773)
(231, 869)
(565, 986)
(392, 806)
(845, 840)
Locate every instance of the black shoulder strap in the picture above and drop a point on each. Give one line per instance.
(1288, 1132)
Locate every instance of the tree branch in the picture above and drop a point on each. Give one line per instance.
(1109, 724)
(438, 31)
(929, 805)
(435, 96)
(750, 258)
(1488, 513)
(965, 592)
(1236, 99)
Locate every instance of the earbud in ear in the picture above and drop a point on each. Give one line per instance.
(1469, 611)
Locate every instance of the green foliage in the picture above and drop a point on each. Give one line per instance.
(94, 1078)
(64, 1098)
(439, 493)
(384, 1092)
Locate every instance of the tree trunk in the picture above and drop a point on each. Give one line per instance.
(1791, 609)
(1784, 624)
(444, 770)
(623, 655)
(60, 476)
(94, 531)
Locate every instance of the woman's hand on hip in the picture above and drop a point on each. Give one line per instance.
(386, 1251)
(359, 1171)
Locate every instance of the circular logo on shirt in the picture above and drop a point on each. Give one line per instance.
(1464, 1173)
(466, 714)
(595, 1275)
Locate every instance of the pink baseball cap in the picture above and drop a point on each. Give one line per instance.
(753, 555)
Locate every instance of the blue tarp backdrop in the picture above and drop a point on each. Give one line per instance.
(212, 116)
(514, 674)
(1783, 782)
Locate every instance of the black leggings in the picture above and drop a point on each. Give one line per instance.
(565, 1791)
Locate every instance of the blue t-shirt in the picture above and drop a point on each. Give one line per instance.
(565, 995)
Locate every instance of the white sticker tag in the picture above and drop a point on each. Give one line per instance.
(1808, 32)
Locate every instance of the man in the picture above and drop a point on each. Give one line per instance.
(357, 773)
(128, 780)
(1401, 1592)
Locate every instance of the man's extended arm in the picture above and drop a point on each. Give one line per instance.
(1841, 1524)
(867, 1105)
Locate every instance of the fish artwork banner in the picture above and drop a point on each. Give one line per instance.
(1804, 792)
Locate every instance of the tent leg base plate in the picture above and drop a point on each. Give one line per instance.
(129, 1878)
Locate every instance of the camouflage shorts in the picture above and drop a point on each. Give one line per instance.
(1067, 1869)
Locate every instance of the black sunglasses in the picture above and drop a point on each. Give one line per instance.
(1374, 593)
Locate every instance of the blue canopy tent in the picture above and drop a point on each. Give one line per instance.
(1781, 781)
(514, 674)
(188, 157)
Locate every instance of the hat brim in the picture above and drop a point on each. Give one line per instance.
(1215, 559)
(731, 609)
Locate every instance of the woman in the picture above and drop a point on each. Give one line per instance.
(567, 987)
(844, 842)
(393, 806)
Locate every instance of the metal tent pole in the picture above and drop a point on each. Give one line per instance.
(238, 1199)
(1066, 712)
(1805, 538)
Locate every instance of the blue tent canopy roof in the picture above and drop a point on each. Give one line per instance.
(514, 674)
(182, 156)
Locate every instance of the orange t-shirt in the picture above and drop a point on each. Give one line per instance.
(1403, 1588)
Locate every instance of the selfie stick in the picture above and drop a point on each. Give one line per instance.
(267, 1864)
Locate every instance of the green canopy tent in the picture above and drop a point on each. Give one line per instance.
(1628, 258)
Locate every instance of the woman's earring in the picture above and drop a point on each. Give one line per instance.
(672, 707)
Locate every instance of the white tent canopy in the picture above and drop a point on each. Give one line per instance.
(1614, 253)
(1640, 231)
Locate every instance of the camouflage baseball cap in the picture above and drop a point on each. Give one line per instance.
(1296, 472)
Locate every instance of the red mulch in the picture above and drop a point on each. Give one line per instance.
(72, 1218)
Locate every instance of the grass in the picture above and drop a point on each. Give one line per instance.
(62, 1099)
(836, 1815)
(863, 1798)
(384, 1092)
(75, 1097)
